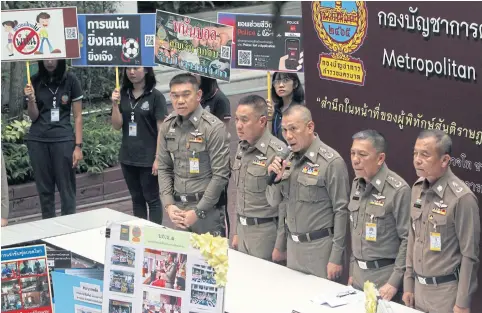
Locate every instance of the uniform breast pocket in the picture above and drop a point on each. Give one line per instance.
(439, 225)
(311, 188)
(198, 150)
(354, 208)
(235, 170)
(256, 178)
(377, 214)
(416, 219)
(172, 146)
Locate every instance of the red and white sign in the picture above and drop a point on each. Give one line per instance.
(33, 34)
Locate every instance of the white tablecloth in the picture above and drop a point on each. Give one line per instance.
(31, 231)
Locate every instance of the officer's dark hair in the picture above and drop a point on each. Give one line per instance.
(443, 141)
(173, 255)
(376, 139)
(184, 78)
(150, 79)
(44, 76)
(298, 92)
(258, 104)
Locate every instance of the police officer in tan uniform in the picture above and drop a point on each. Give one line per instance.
(379, 218)
(314, 182)
(193, 161)
(444, 237)
(257, 232)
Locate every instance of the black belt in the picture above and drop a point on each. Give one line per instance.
(374, 264)
(436, 280)
(315, 235)
(193, 197)
(250, 221)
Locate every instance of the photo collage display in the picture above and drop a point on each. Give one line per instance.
(143, 279)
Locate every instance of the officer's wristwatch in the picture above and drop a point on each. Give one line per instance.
(200, 213)
(80, 145)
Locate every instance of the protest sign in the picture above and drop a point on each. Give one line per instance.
(39, 34)
(257, 45)
(149, 268)
(193, 45)
(25, 280)
(110, 40)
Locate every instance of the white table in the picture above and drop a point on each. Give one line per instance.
(32, 231)
(254, 285)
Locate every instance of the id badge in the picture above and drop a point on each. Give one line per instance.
(194, 165)
(132, 129)
(371, 232)
(435, 242)
(54, 115)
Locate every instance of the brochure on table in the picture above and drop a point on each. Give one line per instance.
(155, 269)
(77, 294)
(25, 280)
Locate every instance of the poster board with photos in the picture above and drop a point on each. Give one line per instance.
(156, 269)
(25, 280)
(193, 45)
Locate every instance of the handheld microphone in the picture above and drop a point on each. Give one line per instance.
(273, 175)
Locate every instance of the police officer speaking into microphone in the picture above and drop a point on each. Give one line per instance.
(379, 213)
(444, 236)
(193, 161)
(257, 231)
(314, 182)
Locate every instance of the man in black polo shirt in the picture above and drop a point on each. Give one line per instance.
(53, 148)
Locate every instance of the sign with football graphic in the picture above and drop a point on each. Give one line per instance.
(116, 40)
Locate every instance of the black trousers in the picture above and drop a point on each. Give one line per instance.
(144, 188)
(52, 166)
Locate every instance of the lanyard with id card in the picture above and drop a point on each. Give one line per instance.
(54, 112)
(371, 230)
(435, 239)
(132, 123)
(194, 164)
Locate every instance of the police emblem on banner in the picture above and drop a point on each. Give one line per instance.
(341, 27)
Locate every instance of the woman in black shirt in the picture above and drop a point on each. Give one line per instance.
(139, 109)
(215, 101)
(286, 90)
(53, 148)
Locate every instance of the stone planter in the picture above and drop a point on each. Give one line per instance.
(91, 188)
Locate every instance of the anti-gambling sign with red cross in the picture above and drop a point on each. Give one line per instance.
(33, 34)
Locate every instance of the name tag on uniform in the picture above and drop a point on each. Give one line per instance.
(260, 163)
(435, 242)
(371, 232)
(196, 139)
(54, 115)
(132, 129)
(194, 165)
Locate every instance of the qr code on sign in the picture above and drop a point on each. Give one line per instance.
(226, 52)
(244, 57)
(149, 40)
(70, 33)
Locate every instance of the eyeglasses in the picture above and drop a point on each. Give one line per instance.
(284, 81)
